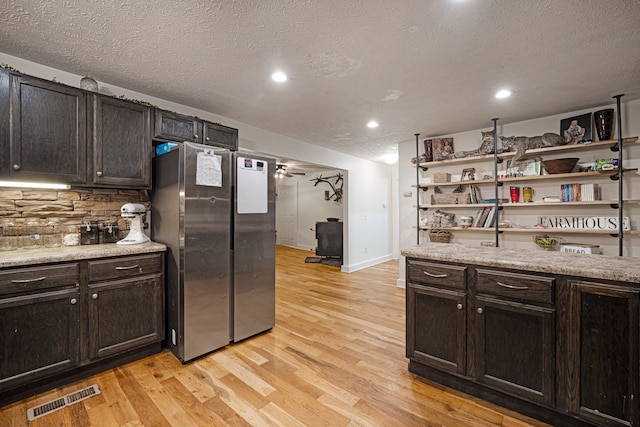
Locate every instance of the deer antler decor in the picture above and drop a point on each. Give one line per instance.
(337, 191)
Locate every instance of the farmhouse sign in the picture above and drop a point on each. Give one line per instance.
(585, 223)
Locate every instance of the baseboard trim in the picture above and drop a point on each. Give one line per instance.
(365, 264)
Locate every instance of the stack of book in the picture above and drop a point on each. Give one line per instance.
(484, 218)
(580, 192)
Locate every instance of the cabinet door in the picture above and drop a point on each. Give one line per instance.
(4, 122)
(515, 349)
(121, 146)
(603, 353)
(436, 327)
(48, 131)
(39, 335)
(177, 127)
(220, 136)
(124, 315)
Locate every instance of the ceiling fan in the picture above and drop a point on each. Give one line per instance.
(281, 170)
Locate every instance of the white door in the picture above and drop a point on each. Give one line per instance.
(287, 213)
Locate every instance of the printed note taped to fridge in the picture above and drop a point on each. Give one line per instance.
(252, 185)
(209, 169)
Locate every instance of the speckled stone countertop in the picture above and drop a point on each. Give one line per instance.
(21, 257)
(623, 269)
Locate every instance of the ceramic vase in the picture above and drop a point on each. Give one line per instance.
(604, 123)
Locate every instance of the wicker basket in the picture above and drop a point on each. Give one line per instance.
(439, 236)
(450, 199)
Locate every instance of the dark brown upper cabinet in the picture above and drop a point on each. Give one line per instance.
(48, 131)
(220, 136)
(178, 127)
(120, 143)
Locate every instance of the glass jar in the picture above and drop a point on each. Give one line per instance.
(9, 236)
(30, 237)
(52, 238)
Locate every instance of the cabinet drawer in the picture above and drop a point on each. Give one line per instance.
(525, 287)
(116, 268)
(450, 276)
(34, 278)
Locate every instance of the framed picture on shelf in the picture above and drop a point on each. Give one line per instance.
(468, 174)
(577, 129)
(442, 148)
(529, 167)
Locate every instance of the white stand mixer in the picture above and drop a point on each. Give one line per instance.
(133, 212)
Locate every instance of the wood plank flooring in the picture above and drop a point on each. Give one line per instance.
(335, 358)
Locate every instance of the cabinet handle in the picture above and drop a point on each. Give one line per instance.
(73, 301)
(195, 136)
(207, 139)
(39, 279)
(459, 306)
(16, 167)
(517, 288)
(99, 173)
(437, 276)
(94, 296)
(128, 268)
(480, 310)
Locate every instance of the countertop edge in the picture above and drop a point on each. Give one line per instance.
(622, 269)
(27, 257)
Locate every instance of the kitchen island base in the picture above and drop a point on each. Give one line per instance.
(554, 336)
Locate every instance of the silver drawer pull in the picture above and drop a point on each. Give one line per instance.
(437, 276)
(39, 279)
(128, 268)
(518, 288)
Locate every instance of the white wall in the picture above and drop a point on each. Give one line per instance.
(472, 139)
(311, 206)
(368, 226)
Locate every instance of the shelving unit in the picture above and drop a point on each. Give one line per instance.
(533, 230)
(526, 205)
(530, 153)
(615, 175)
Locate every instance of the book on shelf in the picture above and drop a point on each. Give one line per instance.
(580, 192)
(493, 200)
(476, 218)
(473, 192)
(491, 217)
(484, 217)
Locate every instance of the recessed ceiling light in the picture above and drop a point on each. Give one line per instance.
(373, 124)
(504, 93)
(391, 158)
(279, 77)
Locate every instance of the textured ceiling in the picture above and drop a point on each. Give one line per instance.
(428, 67)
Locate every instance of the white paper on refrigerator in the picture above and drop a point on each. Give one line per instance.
(209, 169)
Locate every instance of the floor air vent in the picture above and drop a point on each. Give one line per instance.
(61, 402)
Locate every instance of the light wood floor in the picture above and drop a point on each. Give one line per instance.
(335, 358)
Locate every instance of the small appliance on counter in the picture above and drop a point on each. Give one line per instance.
(110, 232)
(89, 234)
(133, 212)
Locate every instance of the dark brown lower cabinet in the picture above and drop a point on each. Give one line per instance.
(124, 314)
(604, 351)
(515, 350)
(39, 335)
(437, 337)
(561, 349)
(64, 321)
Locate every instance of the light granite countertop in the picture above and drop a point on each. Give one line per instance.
(22, 257)
(623, 269)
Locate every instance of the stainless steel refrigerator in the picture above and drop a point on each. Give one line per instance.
(215, 211)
